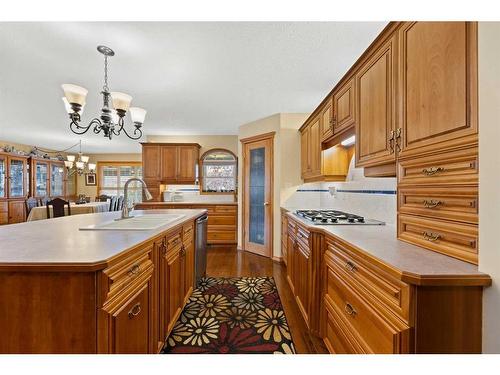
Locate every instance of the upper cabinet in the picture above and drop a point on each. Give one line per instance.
(170, 163)
(343, 107)
(375, 127)
(326, 119)
(438, 70)
(47, 178)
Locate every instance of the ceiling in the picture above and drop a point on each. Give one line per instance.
(193, 78)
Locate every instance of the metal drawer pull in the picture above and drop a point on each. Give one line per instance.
(431, 203)
(391, 140)
(134, 311)
(432, 171)
(350, 266)
(432, 237)
(349, 309)
(134, 270)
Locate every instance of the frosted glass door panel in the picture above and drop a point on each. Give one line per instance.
(56, 181)
(257, 195)
(41, 175)
(3, 171)
(16, 181)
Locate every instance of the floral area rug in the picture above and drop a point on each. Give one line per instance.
(232, 315)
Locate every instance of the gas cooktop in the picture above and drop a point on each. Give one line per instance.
(332, 217)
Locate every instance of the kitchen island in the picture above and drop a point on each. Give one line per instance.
(66, 290)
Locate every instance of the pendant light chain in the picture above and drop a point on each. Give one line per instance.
(105, 87)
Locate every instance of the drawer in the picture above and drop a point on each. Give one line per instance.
(221, 236)
(454, 239)
(383, 291)
(222, 220)
(124, 272)
(188, 233)
(449, 203)
(226, 209)
(375, 334)
(457, 167)
(337, 337)
(174, 241)
(303, 236)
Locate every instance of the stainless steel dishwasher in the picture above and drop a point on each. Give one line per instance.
(200, 257)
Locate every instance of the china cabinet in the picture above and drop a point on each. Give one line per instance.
(13, 187)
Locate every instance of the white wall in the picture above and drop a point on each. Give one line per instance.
(489, 177)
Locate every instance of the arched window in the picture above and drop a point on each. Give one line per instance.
(218, 172)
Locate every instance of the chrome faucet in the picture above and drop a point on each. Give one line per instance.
(125, 210)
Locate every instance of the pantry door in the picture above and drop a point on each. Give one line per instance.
(258, 194)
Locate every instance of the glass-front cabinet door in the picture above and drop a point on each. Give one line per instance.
(17, 177)
(41, 182)
(56, 180)
(3, 176)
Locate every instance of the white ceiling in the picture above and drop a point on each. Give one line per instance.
(193, 78)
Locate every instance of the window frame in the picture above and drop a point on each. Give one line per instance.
(202, 177)
(117, 164)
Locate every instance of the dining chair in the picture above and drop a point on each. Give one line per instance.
(43, 201)
(112, 203)
(119, 203)
(102, 198)
(29, 204)
(87, 199)
(58, 205)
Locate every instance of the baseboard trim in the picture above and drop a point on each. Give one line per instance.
(278, 259)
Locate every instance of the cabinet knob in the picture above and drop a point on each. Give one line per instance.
(432, 171)
(391, 140)
(350, 266)
(134, 270)
(134, 311)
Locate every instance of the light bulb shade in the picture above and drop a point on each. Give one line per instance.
(68, 164)
(91, 167)
(70, 158)
(68, 108)
(79, 164)
(137, 114)
(74, 94)
(84, 158)
(120, 100)
(114, 117)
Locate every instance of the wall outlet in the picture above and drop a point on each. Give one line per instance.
(332, 190)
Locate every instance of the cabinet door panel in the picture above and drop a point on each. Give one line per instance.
(169, 162)
(304, 153)
(438, 83)
(131, 324)
(174, 287)
(16, 212)
(343, 107)
(375, 108)
(3, 176)
(188, 158)
(315, 148)
(326, 120)
(301, 282)
(151, 162)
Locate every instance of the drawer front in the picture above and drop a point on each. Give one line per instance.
(222, 220)
(124, 272)
(229, 236)
(338, 339)
(226, 209)
(374, 333)
(457, 167)
(188, 233)
(454, 239)
(174, 241)
(303, 236)
(450, 203)
(384, 292)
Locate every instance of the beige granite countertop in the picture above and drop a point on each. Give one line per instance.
(185, 203)
(60, 240)
(380, 242)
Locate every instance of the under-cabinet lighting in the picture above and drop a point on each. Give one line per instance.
(348, 141)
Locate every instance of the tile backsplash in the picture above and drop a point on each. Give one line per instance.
(374, 198)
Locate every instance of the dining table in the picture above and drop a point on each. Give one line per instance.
(40, 213)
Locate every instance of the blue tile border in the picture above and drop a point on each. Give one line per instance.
(385, 192)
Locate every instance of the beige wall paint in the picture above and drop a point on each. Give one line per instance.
(286, 166)
(489, 176)
(91, 191)
(207, 142)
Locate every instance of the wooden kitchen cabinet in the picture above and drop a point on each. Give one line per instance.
(13, 187)
(343, 108)
(326, 117)
(47, 178)
(438, 85)
(169, 163)
(376, 109)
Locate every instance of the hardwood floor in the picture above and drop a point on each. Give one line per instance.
(229, 262)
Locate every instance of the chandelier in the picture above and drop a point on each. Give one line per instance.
(78, 165)
(111, 121)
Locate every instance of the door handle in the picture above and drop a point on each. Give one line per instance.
(266, 203)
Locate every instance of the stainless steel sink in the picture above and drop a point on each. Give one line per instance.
(142, 222)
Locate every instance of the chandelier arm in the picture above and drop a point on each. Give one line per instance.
(135, 136)
(77, 128)
(97, 125)
(120, 124)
